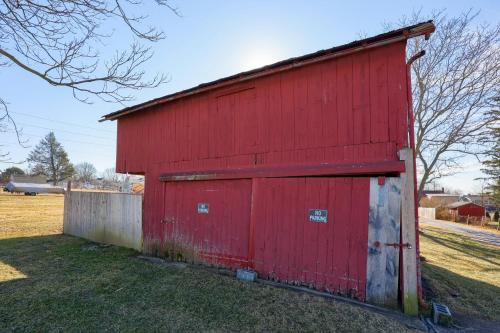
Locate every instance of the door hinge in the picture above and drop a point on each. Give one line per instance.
(396, 245)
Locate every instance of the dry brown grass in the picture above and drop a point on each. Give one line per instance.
(22, 215)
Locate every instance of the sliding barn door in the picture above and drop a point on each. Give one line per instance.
(312, 231)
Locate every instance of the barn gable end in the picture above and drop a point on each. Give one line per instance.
(292, 170)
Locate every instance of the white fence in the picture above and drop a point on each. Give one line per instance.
(427, 213)
(113, 218)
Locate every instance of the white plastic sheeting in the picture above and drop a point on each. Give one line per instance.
(33, 188)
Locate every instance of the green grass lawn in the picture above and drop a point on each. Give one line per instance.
(461, 273)
(57, 283)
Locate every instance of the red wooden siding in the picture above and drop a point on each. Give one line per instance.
(219, 237)
(348, 111)
(290, 248)
(265, 225)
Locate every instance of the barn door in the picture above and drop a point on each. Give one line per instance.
(312, 231)
(208, 221)
(383, 241)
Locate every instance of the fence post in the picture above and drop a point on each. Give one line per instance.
(67, 206)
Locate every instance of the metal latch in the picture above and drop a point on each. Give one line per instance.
(396, 245)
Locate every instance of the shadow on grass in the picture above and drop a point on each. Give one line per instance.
(464, 294)
(468, 297)
(74, 285)
(465, 245)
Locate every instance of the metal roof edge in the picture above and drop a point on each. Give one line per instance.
(420, 29)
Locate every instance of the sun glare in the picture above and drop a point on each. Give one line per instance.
(259, 56)
(8, 273)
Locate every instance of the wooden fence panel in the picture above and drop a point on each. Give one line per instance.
(427, 213)
(113, 218)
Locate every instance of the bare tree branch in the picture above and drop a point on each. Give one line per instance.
(453, 85)
(58, 41)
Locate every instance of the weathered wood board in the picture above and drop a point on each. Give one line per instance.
(383, 233)
(427, 212)
(408, 234)
(112, 218)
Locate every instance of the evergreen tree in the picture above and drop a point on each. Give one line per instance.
(50, 159)
(491, 166)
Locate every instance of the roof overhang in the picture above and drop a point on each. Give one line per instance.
(421, 29)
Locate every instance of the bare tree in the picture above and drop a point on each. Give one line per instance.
(85, 172)
(58, 41)
(5, 121)
(453, 85)
(112, 179)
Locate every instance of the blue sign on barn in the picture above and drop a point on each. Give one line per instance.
(318, 215)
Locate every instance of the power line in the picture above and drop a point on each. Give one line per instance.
(63, 140)
(71, 150)
(10, 162)
(61, 130)
(59, 121)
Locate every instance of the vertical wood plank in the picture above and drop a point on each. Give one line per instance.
(288, 109)
(383, 230)
(333, 237)
(396, 93)
(361, 97)
(344, 101)
(330, 111)
(341, 250)
(408, 234)
(359, 236)
(379, 107)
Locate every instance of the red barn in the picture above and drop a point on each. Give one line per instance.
(466, 208)
(291, 169)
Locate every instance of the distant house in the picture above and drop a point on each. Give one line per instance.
(28, 179)
(442, 199)
(427, 191)
(465, 208)
(481, 199)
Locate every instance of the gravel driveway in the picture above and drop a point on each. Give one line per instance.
(483, 236)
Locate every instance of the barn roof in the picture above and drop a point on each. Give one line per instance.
(442, 195)
(462, 203)
(424, 28)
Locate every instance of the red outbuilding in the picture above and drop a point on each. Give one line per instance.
(467, 209)
(302, 170)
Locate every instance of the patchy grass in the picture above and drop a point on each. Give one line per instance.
(461, 272)
(52, 282)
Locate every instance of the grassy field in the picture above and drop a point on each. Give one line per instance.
(52, 282)
(462, 273)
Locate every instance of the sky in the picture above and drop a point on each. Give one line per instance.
(212, 39)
